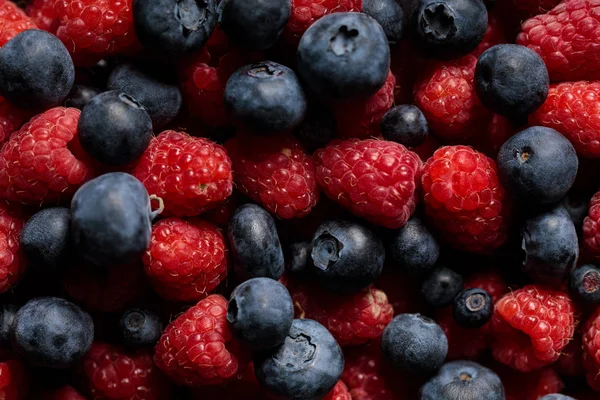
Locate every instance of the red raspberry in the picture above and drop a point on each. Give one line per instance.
(190, 174)
(464, 200)
(12, 262)
(38, 164)
(115, 374)
(42, 14)
(591, 349)
(339, 392)
(463, 344)
(529, 386)
(494, 35)
(11, 119)
(490, 281)
(374, 179)
(275, 172)
(446, 95)
(13, 21)
(572, 109)
(197, 348)
(14, 382)
(567, 38)
(361, 118)
(591, 228)
(531, 326)
(65, 393)
(403, 292)
(186, 260)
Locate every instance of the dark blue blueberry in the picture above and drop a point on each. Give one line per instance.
(585, 284)
(462, 380)
(317, 129)
(265, 97)
(390, 16)
(45, 239)
(111, 220)
(577, 207)
(511, 80)
(254, 24)
(114, 128)
(441, 286)
(413, 248)
(155, 90)
(297, 258)
(255, 243)
(347, 256)
(551, 246)
(448, 28)
(405, 124)
(36, 70)
(306, 366)
(52, 332)
(140, 327)
(414, 343)
(7, 317)
(473, 308)
(538, 164)
(556, 396)
(174, 27)
(344, 55)
(260, 313)
(81, 95)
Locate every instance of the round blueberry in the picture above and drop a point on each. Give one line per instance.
(413, 248)
(585, 284)
(390, 16)
(556, 396)
(473, 308)
(441, 286)
(45, 239)
(81, 95)
(405, 124)
(577, 207)
(140, 327)
(297, 258)
(7, 317)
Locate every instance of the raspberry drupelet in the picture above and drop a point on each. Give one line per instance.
(42, 14)
(591, 229)
(13, 21)
(12, 262)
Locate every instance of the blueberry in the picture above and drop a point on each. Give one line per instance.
(347, 256)
(110, 220)
(511, 80)
(577, 207)
(538, 164)
(265, 97)
(556, 396)
(551, 246)
(174, 27)
(7, 317)
(297, 258)
(81, 95)
(390, 16)
(461, 380)
(36, 70)
(114, 128)
(254, 24)
(155, 90)
(414, 343)
(344, 55)
(448, 28)
(405, 124)
(317, 129)
(473, 308)
(413, 248)
(255, 243)
(306, 366)
(441, 286)
(52, 332)
(260, 313)
(585, 284)
(45, 239)
(140, 327)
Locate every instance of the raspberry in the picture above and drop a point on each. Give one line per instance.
(339, 392)
(490, 281)
(42, 14)
(464, 200)
(567, 38)
(494, 35)
(446, 95)
(190, 174)
(14, 382)
(13, 21)
(463, 344)
(403, 292)
(186, 260)
(12, 262)
(65, 393)
(530, 386)
(197, 348)
(531, 326)
(591, 228)
(374, 179)
(361, 118)
(275, 172)
(591, 349)
(572, 109)
(115, 374)
(11, 119)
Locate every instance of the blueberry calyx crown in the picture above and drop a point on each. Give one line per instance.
(191, 14)
(326, 251)
(343, 42)
(438, 21)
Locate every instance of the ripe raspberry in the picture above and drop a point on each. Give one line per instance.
(464, 200)
(572, 109)
(529, 386)
(494, 35)
(339, 392)
(65, 393)
(190, 174)
(531, 326)
(11, 119)
(591, 349)
(463, 344)
(591, 228)
(361, 118)
(374, 179)
(197, 348)
(275, 172)
(38, 164)
(115, 374)
(567, 38)
(12, 262)
(490, 281)
(13, 21)
(446, 95)
(186, 260)
(42, 14)
(14, 382)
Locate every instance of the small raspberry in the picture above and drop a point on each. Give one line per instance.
(197, 348)
(13, 21)
(591, 228)
(529, 386)
(339, 392)
(374, 179)
(14, 382)
(531, 326)
(42, 14)
(275, 172)
(12, 262)
(494, 35)
(190, 174)
(464, 200)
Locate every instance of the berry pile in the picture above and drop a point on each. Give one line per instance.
(299, 199)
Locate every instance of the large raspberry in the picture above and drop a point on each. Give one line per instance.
(42, 14)
(190, 174)
(567, 38)
(591, 228)
(591, 349)
(374, 179)
(12, 262)
(13, 21)
(531, 326)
